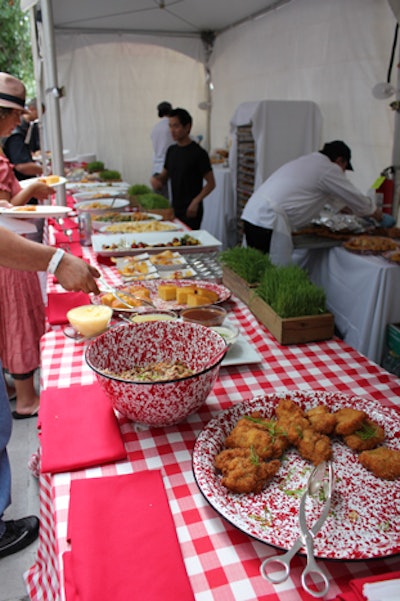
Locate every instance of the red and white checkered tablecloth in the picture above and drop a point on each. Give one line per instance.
(222, 562)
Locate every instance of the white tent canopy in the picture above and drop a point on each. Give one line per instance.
(118, 60)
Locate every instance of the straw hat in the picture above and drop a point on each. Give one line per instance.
(12, 92)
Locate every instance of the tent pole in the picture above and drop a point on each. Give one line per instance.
(53, 94)
(396, 152)
(39, 81)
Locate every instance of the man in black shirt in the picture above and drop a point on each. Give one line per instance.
(188, 167)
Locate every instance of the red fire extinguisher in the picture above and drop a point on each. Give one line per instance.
(387, 189)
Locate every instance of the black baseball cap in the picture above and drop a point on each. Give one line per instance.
(336, 149)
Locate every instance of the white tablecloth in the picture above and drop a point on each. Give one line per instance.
(363, 293)
(219, 217)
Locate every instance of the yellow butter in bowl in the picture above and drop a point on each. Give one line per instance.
(90, 320)
(154, 316)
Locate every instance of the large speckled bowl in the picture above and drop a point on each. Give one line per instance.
(157, 403)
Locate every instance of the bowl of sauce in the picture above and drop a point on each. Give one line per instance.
(228, 332)
(212, 315)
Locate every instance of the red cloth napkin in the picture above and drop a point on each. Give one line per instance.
(123, 541)
(67, 223)
(78, 429)
(356, 586)
(70, 200)
(58, 305)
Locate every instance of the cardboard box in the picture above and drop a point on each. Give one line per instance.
(292, 330)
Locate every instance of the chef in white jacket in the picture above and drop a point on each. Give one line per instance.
(295, 194)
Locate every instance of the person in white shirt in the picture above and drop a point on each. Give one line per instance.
(295, 194)
(161, 139)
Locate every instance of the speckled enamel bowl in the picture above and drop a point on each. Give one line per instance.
(157, 403)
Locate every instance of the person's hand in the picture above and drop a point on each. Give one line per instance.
(155, 182)
(40, 190)
(192, 209)
(5, 204)
(378, 214)
(75, 274)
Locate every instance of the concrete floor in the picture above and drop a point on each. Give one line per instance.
(25, 501)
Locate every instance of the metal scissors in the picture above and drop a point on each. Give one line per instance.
(322, 477)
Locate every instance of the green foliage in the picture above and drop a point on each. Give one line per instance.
(290, 293)
(138, 189)
(95, 166)
(248, 263)
(153, 201)
(110, 175)
(15, 44)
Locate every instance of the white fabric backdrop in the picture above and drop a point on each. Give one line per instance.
(112, 91)
(331, 52)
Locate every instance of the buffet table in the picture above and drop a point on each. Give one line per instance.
(221, 561)
(362, 292)
(220, 209)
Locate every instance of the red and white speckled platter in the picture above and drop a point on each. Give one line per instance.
(364, 521)
(223, 293)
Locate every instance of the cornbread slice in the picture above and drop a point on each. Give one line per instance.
(167, 292)
(197, 300)
(212, 296)
(182, 294)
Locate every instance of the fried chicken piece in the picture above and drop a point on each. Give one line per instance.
(291, 420)
(288, 409)
(321, 419)
(243, 471)
(368, 436)
(382, 462)
(314, 447)
(311, 445)
(264, 436)
(348, 420)
(294, 429)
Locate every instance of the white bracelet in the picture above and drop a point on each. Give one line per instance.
(55, 261)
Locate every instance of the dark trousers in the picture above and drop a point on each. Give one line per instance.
(257, 237)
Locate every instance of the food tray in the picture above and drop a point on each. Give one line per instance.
(370, 245)
(362, 523)
(123, 217)
(223, 293)
(173, 260)
(141, 227)
(152, 243)
(393, 256)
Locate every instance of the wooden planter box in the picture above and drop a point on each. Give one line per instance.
(238, 285)
(291, 330)
(167, 214)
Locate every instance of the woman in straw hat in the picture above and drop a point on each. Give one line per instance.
(22, 318)
(18, 303)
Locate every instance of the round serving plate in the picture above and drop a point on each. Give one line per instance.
(363, 522)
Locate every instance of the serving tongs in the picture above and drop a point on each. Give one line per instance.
(117, 293)
(320, 484)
